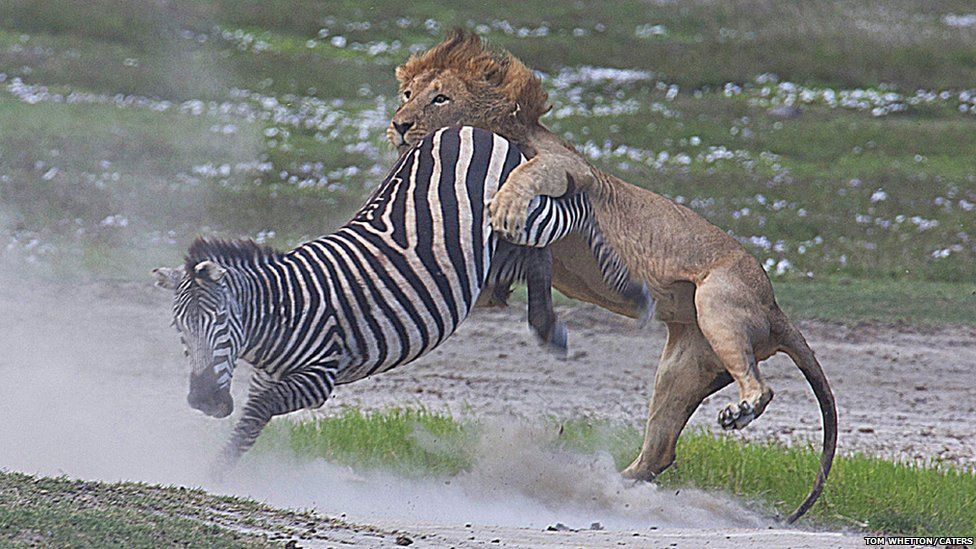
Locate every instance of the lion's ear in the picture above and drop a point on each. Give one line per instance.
(401, 73)
(409, 69)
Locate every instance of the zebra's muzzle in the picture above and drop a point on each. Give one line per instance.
(208, 397)
(217, 405)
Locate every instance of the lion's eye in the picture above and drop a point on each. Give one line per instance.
(406, 95)
(440, 99)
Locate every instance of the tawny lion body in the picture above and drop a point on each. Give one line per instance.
(715, 298)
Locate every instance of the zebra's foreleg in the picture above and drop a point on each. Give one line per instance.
(513, 263)
(308, 388)
(504, 271)
(537, 264)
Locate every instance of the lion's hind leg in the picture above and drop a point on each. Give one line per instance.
(731, 325)
(687, 373)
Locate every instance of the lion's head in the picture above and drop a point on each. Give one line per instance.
(460, 81)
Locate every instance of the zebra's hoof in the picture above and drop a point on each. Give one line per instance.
(558, 343)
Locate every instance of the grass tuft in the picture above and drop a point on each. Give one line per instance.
(407, 441)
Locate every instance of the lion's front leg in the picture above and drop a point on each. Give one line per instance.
(543, 175)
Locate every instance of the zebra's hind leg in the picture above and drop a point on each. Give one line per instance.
(639, 296)
(305, 388)
(617, 276)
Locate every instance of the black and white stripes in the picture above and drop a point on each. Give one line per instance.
(387, 287)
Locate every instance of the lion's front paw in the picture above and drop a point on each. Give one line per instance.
(509, 211)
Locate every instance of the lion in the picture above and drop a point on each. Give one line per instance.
(715, 298)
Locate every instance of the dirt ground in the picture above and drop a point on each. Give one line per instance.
(901, 391)
(99, 392)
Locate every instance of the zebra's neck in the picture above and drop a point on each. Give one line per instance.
(265, 310)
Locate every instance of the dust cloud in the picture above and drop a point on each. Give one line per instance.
(518, 481)
(95, 386)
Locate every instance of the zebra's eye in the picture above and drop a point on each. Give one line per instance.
(440, 99)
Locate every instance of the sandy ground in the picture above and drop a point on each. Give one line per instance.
(95, 388)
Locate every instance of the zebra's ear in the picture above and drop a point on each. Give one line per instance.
(168, 278)
(209, 269)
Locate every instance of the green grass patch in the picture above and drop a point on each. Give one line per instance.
(407, 441)
(855, 300)
(59, 512)
(870, 493)
(866, 492)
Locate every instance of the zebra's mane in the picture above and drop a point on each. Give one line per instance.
(227, 251)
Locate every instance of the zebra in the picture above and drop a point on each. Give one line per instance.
(549, 221)
(382, 290)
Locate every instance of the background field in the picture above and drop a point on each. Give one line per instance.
(835, 140)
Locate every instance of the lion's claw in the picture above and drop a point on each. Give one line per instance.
(508, 214)
(736, 416)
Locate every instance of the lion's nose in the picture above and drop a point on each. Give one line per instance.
(402, 127)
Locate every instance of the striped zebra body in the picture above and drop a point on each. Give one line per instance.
(384, 289)
(550, 220)
(402, 275)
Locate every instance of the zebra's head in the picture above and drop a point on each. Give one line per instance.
(208, 319)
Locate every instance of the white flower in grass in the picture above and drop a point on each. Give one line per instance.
(879, 196)
(782, 266)
(115, 221)
(959, 21)
(648, 31)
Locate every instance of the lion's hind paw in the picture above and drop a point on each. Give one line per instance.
(736, 416)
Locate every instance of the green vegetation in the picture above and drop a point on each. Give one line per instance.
(374, 440)
(59, 512)
(917, 302)
(863, 492)
(129, 127)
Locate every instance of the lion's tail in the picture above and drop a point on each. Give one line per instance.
(802, 355)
